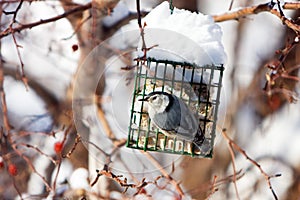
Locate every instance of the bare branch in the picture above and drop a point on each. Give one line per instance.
(3, 99)
(59, 159)
(243, 152)
(267, 7)
(165, 174)
(29, 163)
(119, 143)
(291, 5)
(14, 20)
(21, 27)
(234, 170)
(213, 188)
(38, 150)
(105, 124)
(77, 141)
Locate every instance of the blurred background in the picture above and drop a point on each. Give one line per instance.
(44, 155)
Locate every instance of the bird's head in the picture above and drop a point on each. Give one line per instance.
(158, 100)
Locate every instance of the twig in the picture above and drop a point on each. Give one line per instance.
(22, 134)
(24, 79)
(3, 101)
(122, 181)
(139, 19)
(5, 138)
(14, 20)
(243, 152)
(16, 187)
(138, 9)
(230, 5)
(21, 27)
(82, 21)
(234, 170)
(164, 173)
(56, 175)
(94, 145)
(108, 131)
(59, 160)
(77, 141)
(279, 7)
(14, 1)
(277, 69)
(117, 178)
(124, 184)
(3, 98)
(291, 5)
(117, 143)
(295, 27)
(15, 12)
(267, 7)
(29, 163)
(38, 150)
(105, 125)
(213, 188)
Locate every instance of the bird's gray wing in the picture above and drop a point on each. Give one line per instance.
(188, 123)
(178, 120)
(167, 121)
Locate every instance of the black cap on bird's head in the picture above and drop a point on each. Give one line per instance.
(146, 98)
(160, 101)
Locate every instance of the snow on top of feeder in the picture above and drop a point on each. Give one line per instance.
(183, 36)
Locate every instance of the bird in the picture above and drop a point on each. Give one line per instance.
(173, 117)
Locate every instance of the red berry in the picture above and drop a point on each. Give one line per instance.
(142, 191)
(58, 147)
(1, 162)
(12, 169)
(74, 47)
(275, 102)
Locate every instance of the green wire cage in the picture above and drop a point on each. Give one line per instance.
(198, 86)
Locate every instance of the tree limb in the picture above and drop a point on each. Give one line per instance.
(267, 7)
(21, 27)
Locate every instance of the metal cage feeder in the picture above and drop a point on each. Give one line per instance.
(198, 86)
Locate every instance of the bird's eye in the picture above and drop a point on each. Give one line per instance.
(154, 97)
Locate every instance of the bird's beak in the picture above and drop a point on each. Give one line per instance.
(145, 99)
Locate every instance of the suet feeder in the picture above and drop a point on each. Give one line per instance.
(198, 86)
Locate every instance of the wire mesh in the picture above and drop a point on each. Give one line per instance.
(198, 86)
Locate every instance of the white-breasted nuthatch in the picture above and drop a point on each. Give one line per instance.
(173, 117)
